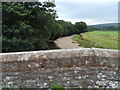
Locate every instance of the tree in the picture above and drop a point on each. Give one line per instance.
(26, 25)
(68, 27)
(81, 27)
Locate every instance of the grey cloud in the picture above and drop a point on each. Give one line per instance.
(81, 10)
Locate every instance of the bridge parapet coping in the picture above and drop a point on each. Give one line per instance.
(84, 67)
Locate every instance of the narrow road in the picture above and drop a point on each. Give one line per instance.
(67, 43)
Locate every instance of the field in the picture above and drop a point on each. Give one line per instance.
(98, 39)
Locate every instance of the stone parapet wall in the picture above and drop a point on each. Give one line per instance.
(82, 68)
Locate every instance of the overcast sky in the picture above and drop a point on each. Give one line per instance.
(90, 11)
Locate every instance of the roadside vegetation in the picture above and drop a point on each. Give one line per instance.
(32, 25)
(98, 39)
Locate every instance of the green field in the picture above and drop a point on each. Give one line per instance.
(98, 39)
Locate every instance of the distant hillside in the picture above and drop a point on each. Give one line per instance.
(104, 27)
(106, 24)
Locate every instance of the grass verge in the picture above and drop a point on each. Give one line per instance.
(98, 39)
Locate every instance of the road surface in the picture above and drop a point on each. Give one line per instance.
(67, 43)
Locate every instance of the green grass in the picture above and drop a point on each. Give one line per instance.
(57, 87)
(98, 39)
